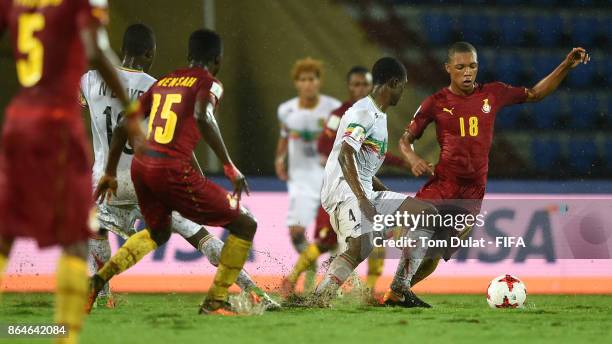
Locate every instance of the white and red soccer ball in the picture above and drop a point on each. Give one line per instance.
(506, 291)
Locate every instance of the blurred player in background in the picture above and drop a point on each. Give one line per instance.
(44, 157)
(181, 108)
(351, 193)
(297, 162)
(359, 84)
(120, 213)
(464, 114)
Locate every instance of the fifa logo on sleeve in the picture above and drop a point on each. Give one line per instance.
(486, 108)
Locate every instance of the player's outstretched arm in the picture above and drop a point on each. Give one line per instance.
(418, 166)
(207, 124)
(550, 83)
(349, 170)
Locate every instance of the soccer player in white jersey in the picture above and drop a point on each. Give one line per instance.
(120, 213)
(351, 193)
(302, 120)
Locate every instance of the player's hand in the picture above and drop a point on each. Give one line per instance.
(576, 57)
(367, 209)
(237, 179)
(107, 186)
(420, 167)
(281, 169)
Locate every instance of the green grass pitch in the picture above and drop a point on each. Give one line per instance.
(172, 318)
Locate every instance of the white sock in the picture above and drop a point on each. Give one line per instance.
(211, 247)
(99, 254)
(339, 270)
(411, 259)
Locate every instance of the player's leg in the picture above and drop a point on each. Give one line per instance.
(376, 262)
(231, 261)
(358, 239)
(211, 247)
(71, 289)
(325, 240)
(99, 254)
(358, 249)
(5, 250)
(158, 218)
(400, 291)
(472, 196)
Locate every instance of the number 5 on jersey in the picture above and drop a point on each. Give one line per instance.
(163, 134)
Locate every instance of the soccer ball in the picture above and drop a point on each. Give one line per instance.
(506, 291)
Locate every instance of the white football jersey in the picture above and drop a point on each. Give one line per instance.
(363, 127)
(105, 111)
(302, 128)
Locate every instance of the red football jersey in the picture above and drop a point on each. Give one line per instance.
(170, 103)
(49, 55)
(327, 138)
(464, 127)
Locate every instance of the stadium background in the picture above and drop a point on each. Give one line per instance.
(560, 146)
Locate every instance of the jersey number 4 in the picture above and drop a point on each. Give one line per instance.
(30, 68)
(163, 134)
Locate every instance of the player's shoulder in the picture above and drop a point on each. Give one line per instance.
(363, 110)
(493, 86)
(288, 106)
(329, 102)
(438, 99)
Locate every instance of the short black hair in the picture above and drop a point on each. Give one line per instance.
(357, 70)
(460, 47)
(204, 46)
(386, 69)
(138, 39)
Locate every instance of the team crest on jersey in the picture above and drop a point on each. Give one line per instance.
(486, 108)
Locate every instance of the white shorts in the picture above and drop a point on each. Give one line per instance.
(346, 217)
(122, 220)
(303, 204)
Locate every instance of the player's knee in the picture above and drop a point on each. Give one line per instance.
(360, 248)
(160, 236)
(244, 227)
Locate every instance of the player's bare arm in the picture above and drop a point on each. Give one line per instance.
(349, 170)
(418, 166)
(212, 135)
(550, 83)
(280, 165)
(378, 185)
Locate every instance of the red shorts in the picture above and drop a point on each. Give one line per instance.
(438, 188)
(45, 176)
(453, 197)
(324, 232)
(164, 185)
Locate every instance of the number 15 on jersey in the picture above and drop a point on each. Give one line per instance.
(163, 134)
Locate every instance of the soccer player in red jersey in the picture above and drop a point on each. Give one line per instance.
(359, 84)
(45, 184)
(181, 108)
(464, 114)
